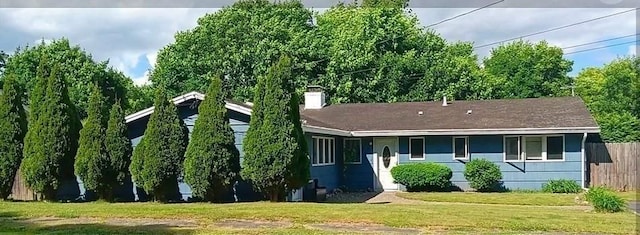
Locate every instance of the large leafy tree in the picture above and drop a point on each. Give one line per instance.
(13, 128)
(75, 66)
(241, 42)
(157, 161)
(212, 161)
(51, 148)
(91, 162)
(611, 94)
(522, 69)
(118, 146)
(272, 149)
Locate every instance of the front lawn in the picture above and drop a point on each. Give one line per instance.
(474, 218)
(509, 198)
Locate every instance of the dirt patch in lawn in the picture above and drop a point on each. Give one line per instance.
(361, 228)
(54, 221)
(251, 224)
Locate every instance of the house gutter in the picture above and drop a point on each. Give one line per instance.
(584, 162)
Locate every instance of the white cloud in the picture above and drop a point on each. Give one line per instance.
(127, 36)
(143, 80)
(632, 50)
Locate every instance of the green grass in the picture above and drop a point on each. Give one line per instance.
(510, 198)
(474, 218)
(629, 196)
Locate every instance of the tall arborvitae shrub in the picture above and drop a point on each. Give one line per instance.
(36, 101)
(92, 163)
(271, 147)
(13, 127)
(55, 141)
(301, 163)
(158, 160)
(118, 146)
(212, 161)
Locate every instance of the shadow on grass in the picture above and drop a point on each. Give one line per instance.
(13, 224)
(350, 197)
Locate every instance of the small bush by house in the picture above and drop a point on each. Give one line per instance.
(561, 186)
(482, 174)
(423, 176)
(604, 200)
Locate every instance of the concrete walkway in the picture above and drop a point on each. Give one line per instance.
(635, 207)
(390, 197)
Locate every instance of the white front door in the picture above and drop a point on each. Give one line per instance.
(386, 157)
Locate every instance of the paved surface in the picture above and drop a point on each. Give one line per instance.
(635, 206)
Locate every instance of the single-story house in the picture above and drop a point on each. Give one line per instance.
(354, 146)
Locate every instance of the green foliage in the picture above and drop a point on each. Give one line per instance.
(604, 200)
(561, 186)
(157, 161)
(75, 66)
(272, 146)
(422, 176)
(212, 161)
(118, 145)
(482, 174)
(54, 141)
(522, 69)
(611, 94)
(241, 42)
(13, 128)
(91, 162)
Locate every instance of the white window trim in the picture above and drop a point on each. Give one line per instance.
(423, 149)
(466, 147)
(317, 151)
(344, 141)
(522, 146)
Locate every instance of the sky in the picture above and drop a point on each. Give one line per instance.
(130, 38)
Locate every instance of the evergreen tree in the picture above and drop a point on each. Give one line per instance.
(272, 149)
(157, 164)
(212, 161)
(54, 140)
(92, 163)
(118, 145)
(13, 127)
(301, 163)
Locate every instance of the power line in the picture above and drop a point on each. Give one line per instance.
(556, 28)
(463, 14)
(602, 47)
(605, 40)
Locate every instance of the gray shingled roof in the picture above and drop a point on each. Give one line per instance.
(554, 112)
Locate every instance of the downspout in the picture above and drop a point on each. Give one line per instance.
(584, 162)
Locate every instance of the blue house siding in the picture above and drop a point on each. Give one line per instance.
(359, 177)
(516, 175)
(328, 176)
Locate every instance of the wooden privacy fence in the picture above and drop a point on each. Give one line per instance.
(613, 164)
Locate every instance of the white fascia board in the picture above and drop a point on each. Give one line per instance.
(181, 99)
(324, 130)
(506, 131)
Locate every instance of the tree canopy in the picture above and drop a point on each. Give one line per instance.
(212, 161)
(13, 128)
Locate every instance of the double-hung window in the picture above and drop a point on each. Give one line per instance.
(534, 148)
(460, 148)
(352, 151)
(416, 148)
(323, 151)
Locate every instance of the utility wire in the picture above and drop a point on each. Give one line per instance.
(602, 47)
(463, 14)
(556, 28)
(605, 40)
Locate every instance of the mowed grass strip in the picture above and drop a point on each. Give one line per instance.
(454, 217)
(509, 198)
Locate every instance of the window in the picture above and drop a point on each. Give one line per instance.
(555, 148)
(512, 148)
(323, 151)
(352, 151)
(416, 148)
(460, 148)
(534, 148)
